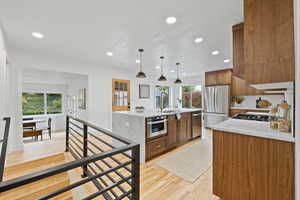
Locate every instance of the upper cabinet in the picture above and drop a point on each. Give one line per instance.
(220, 77)
(238, 50)
(269, 41)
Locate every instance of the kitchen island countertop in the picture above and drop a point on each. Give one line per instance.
(153, 113)
(253, 128)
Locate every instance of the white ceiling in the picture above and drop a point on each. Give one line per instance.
(86, 30)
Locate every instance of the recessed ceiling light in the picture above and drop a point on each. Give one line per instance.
(226, 60)
(37, 35)
(137, 61)
(171, 20)
(172, 71)
(199, 40)
(109, 53)
(157, 67)
(215, 52)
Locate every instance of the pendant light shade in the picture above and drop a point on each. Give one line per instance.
(141, 74)
(162, 77)
(178, 81)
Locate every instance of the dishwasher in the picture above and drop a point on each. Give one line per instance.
(196, 124)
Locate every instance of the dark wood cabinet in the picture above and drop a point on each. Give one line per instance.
(156, 147)
(269, 41)
(179, 133)
(240, 87)
(172, 140)
(220, 77)
(238, 51)
(252, 168)
(184, 128)
(238, 111)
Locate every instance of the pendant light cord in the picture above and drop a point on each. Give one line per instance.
(161, 67)
(177, 70)
(141, 61)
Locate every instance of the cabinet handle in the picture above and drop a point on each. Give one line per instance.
(158, 146)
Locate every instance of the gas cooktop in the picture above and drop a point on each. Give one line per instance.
(245, 116)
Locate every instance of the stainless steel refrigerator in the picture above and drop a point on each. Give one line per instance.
(216, 104)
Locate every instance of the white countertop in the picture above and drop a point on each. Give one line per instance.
(153, 113)
(253, 128)
(248, 108)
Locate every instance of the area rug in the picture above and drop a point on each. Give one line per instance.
(191, 162)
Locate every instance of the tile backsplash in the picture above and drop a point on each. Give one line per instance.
(250, 101)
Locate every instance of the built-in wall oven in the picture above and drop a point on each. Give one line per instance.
(157, 126)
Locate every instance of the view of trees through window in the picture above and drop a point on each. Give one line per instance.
(40, 103)
(54, 103)
(162, 96)
(191, 96)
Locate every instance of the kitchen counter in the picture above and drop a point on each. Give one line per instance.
(245, 108)
(152, 113)
(132, 125)
(253, 128)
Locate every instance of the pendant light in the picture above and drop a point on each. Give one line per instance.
(162, 77)
(141, 74)
(178, 81)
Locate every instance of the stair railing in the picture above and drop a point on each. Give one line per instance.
(108, 161)
(3, 142)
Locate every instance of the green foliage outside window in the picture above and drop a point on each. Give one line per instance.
(34, 103)
(54, 103)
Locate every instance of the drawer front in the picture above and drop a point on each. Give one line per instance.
(156, 147)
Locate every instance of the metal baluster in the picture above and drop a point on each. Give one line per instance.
(85, 148)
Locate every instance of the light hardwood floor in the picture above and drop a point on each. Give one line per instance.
(156, 182)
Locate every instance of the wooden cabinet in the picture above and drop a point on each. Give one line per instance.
(220, 77)
(184, 128)
(240, 87)
(252, 168)
(238, 50)
(156, 147)
(269, 41)
(172, 140)
(238, 111)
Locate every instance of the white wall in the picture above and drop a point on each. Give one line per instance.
(74, 85)
(297, 102)
(99, 80)
(9, 98)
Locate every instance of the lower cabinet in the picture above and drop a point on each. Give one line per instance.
(172, 137)
(252, 168)
(156, 147)
(184, 126)
(179, 133)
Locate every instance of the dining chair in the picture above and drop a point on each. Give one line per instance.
(47, 127)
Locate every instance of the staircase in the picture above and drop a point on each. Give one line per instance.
(38, 188)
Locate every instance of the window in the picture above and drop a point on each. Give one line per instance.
(54, 103)
(191, 96)
(162, 97)
(41, 103)
(33, 103)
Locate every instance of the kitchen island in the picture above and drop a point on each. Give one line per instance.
(170, 129)
(252, 161)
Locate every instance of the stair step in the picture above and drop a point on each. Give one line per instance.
(38, 188)
(32, 166)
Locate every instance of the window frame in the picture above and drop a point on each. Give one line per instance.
(191, 96)
(169, 95)
(45, 103)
